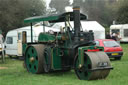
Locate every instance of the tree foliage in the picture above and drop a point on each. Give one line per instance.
(13, 12)
(59, 5)
(96, 10)
(105, 11)
(122, 13)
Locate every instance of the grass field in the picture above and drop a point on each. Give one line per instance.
(15, 74)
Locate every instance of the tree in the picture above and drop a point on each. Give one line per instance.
(122, 13)
(95, 9)
(59, 5)
(13, 12)
(98, 10)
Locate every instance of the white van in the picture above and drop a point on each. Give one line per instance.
(13, 40)
(122, 29)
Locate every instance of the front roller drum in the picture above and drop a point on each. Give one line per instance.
(96, 66)
(34, 58)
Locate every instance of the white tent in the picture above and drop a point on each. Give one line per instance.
(99, 30)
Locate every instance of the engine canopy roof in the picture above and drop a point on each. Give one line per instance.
(54, 18)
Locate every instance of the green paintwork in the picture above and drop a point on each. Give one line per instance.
(24, 46)
(31, 66)
(56, 59)
(40, 18)
(43, 37)
(54, 18)
(59, 37)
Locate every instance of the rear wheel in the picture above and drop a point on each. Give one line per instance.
(118, 58)
(34, 58)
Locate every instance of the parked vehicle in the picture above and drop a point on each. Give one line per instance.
(13, 40)
(122, 30)
(111, 47)
(69, 49)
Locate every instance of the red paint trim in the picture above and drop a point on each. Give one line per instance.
(93, 50)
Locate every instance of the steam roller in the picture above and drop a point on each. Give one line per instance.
(66, 49)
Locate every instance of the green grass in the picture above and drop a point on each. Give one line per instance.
(17, 75)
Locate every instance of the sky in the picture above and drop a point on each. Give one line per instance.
(48, 1)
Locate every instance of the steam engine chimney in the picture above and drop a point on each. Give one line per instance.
(76, 13)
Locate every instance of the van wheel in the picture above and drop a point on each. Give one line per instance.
(21, 57)
(10, 56)
(118, 58)
(13, 57)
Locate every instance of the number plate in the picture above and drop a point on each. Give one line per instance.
(102, 64)
(114, 53)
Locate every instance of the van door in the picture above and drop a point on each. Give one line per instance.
(19, 43)
(125, 35)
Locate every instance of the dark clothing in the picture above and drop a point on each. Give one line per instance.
(114, 38)
(108, 36)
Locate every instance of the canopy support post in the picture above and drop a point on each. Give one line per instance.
(31, 34)
(43, 27)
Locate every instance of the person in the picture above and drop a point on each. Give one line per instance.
(108, 36)
(118, 38)
(114, 36)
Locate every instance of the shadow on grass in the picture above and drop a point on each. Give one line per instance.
(59, 73)
(124, 42)
(113, 59)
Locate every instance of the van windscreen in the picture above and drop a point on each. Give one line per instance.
(115, 31)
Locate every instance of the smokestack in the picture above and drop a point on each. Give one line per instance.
(76, 13)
